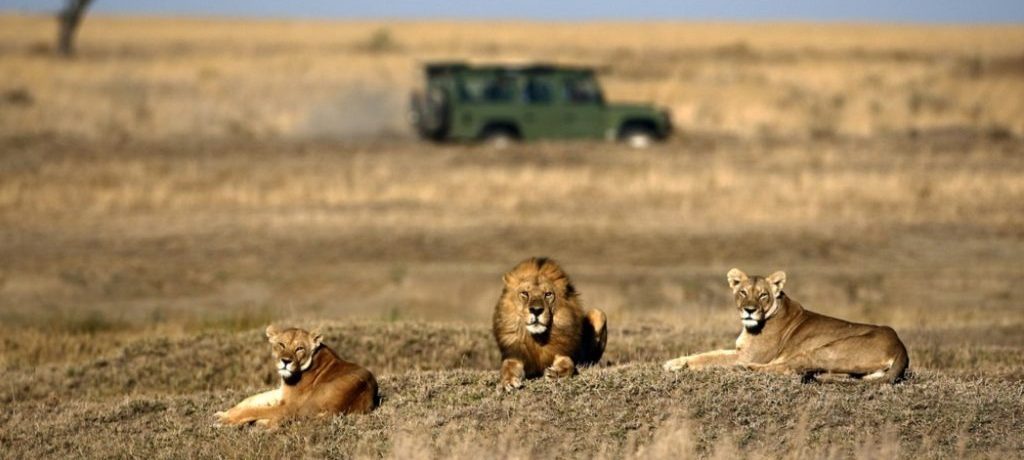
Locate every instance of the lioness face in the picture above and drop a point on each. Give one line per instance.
(756, 297)
(292, 349)
(536, 299)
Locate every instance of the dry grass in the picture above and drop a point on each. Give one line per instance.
(183, 183)
(160, 233)
(159, 78)
(129, 267)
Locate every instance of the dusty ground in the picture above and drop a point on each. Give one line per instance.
(182, 184)
(173, 78)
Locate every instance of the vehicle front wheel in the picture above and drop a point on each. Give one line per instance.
(638, 137)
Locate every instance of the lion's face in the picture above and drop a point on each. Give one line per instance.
(534, 290)
(756, 297)
(292, 349)
(536, 301)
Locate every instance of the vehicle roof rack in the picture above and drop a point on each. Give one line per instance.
(444, 67)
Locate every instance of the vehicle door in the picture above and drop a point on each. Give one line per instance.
(583, 107)
(485, 98)
(541, 115)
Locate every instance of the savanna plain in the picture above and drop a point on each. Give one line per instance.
(180, 184)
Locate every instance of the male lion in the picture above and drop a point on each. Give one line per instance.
(541, 327)
(780, 336)
(314, 382)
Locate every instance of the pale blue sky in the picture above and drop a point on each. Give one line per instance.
(943, 11)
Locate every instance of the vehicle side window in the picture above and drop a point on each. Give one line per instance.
(582, 91)
(500, 89)
(471, 88)
(487, 88)
(538, 91)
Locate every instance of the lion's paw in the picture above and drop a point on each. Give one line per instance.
(510, 385)
(555, 373)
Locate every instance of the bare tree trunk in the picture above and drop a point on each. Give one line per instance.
(69, 18)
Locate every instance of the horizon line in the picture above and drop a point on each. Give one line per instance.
(469, 19)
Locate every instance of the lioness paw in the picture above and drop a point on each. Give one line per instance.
(230, 417)
(677, 364)
(222, 419)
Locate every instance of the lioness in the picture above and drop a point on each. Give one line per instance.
(314, 382)
(780, 336)
(540, 326)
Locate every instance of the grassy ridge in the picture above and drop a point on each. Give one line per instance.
(155, 398)
(162, 365)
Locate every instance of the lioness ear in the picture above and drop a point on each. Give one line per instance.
(507, 278)
(735, 277)
(777, 280)
(272, 331)
(318, 338)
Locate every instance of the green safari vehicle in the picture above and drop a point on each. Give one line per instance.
(501, 104)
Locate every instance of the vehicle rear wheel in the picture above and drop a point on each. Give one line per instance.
(499, 138)
(638, 137)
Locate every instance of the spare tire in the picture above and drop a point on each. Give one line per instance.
(429, 112)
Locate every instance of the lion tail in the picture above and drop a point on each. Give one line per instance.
(897, 371)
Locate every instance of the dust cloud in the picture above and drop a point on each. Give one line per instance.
(360, 111)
